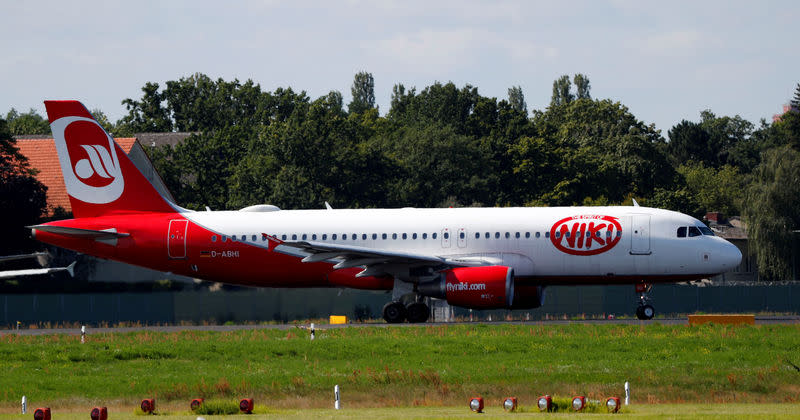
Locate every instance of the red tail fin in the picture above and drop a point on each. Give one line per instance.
(99, 176)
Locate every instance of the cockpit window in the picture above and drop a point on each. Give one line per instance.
(694, 231)
(706, 230)
(682, 232)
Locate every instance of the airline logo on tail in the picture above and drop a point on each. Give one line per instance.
(88, 159)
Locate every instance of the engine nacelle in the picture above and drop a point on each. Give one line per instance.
(490, 287)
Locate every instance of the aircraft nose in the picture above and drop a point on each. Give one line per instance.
(729, 256)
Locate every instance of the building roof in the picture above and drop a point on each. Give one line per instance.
(42, 157)
(159, 139)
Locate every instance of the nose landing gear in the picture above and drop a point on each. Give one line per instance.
(645, 311)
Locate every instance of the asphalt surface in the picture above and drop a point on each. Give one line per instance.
(760, 320)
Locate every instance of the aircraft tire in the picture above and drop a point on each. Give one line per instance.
(645, 312)
(394, 312)
(417, 312)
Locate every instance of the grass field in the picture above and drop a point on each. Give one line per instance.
(436, 367)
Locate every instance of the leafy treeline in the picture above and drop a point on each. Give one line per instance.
(446, 145)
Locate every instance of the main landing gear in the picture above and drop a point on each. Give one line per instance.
(414, 310)
(645, 311)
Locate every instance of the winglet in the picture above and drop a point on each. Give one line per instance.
(635, 204)
(273, 241)
(328, 206)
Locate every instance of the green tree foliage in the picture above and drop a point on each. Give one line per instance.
(363, 92)
(26, 124)
(719, 190)
(582, 85)
(22, 197)
(561, 91)
(146, 115)
(796, 99)
(517, 99)
(770, 210)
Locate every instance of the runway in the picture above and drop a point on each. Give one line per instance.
(760, 320)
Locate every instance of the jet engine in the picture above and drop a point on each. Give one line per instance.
(489, 287)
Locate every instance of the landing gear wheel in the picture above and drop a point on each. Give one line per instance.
(417, 312)
(394, 312)
(645, 312)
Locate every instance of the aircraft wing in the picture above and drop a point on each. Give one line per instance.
(37, 271)
(376, 262)
(81, 233)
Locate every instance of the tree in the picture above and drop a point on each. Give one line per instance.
(583, 86)
(22, 197)
(363, 91)
(714, 189)
(796, 100)
(147, 115)
(26, 124)
(770, 210)
(689, 141)
(561, 91)
(517, 99)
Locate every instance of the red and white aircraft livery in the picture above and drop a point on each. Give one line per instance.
(484, 258)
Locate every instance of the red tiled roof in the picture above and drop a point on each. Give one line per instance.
(42, 156)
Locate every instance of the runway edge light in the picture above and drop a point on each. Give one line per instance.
(246, 405)
(476, 404)
(148, 405)
(612, 404)
(41, 413)
(99, 413)
(545, 403)
(510, 404)
(196, 403)
(579, 403)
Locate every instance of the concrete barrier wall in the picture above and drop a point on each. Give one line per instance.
(286, 305)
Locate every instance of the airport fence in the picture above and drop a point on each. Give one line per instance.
(285, 305)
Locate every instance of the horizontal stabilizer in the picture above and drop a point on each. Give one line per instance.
(81, 233)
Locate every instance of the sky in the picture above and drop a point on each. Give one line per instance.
(665, 60)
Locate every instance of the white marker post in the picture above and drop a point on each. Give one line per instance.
(336, 403)
(83, 334)
(312, 331)
(24, 405)
(627, 393)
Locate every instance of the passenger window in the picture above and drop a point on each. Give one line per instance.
(682, 232)
(527, 235)
(333, 236)
(619, 233)
(567, 234)
(383, 236)
(558, 235)
(355, 236)
(497, 235)
(224, 238)
(233, 238)
(547, 234)
(433, 235)
(537, 234)
(487, 235)
(447, 235)
(394, 236)
(363, 236)
(516, 235)
(508, 235)
(294, 236)
(305, 236)
(324, 236)
(213, 238)
(374, 236)
(253, 238)
(314, 237)
(283, 237)
(477, 235)
(694, 231)
(414, 236)
(424, 236)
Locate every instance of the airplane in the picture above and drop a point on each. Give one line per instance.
(37, 271)
(482, 258)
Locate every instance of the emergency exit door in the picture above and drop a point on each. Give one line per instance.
(176, 238)
(640, 234)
